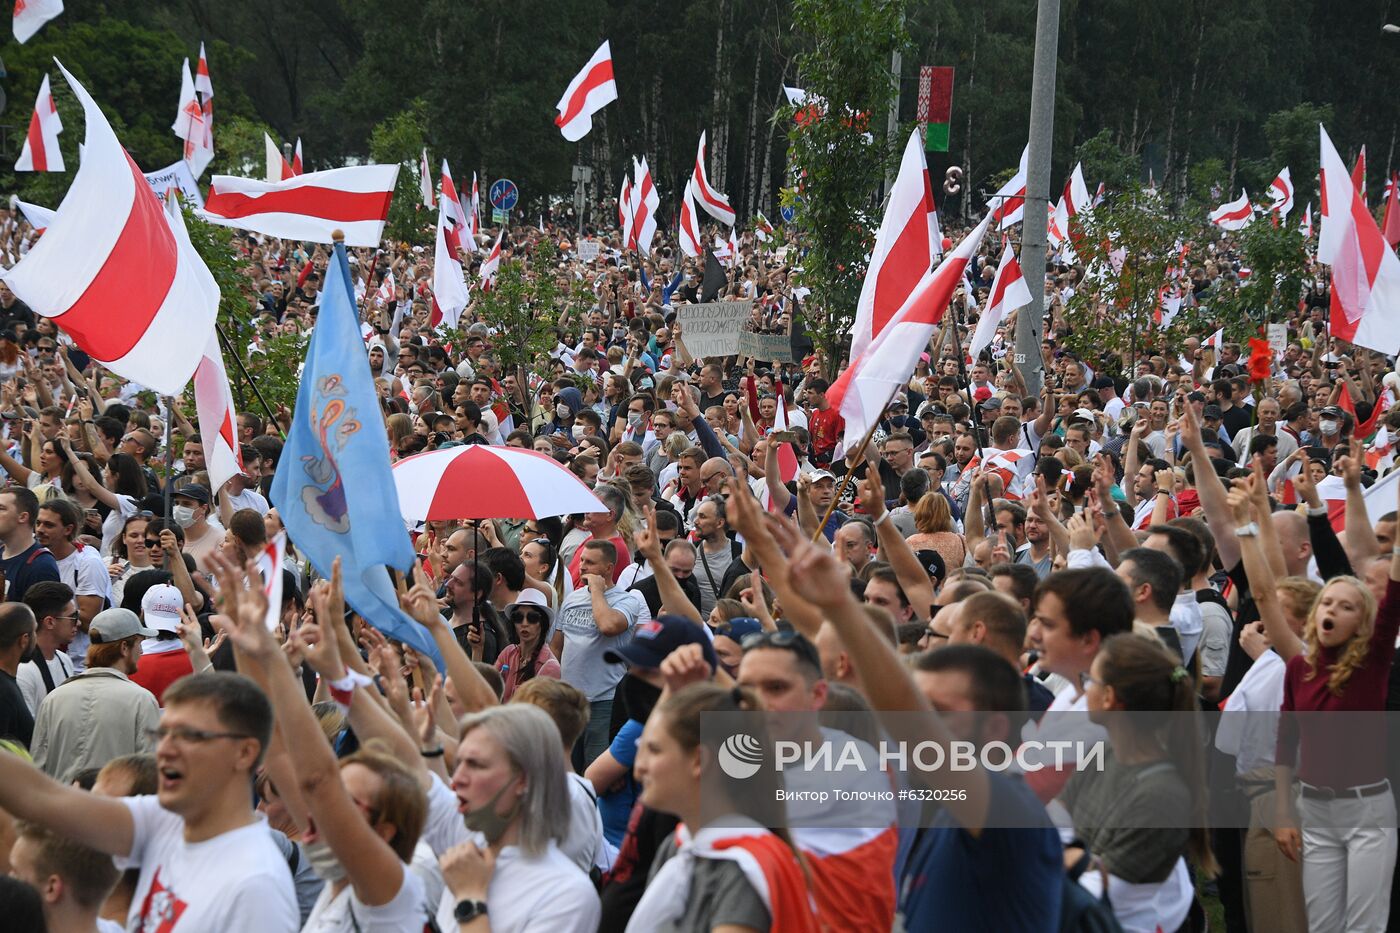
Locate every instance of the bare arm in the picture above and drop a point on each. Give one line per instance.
(673, 598)
(1359, 537)
(83, 476)
(1262, 581)
(772, 475)
(421, 603)
(27, 793)
(912, 577)
(609, 621)
(1211, 490)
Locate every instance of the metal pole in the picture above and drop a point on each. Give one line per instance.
(1031, 317)
(238, 360)
(169, 454)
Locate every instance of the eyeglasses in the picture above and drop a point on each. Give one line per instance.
(1085, 680)
(184, 735)
(68, 618)
(930, 632)
(786, 640)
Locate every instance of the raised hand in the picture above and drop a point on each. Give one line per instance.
(421, 601)
(819, 574)
(1241, 502)
(1084, 532)
(684, 666)
(872, 493)
(244, 608)
(647, 542)
(319, 650)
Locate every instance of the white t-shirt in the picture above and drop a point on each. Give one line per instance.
(84, 571)
(114, 522)
(548, 894)
(31, 679)
(236, 881)
(443, 827)
(585, 844)
(343, 912)
(249, 498)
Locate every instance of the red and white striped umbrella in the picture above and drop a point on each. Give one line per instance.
(478, 481)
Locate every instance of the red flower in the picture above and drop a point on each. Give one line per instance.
(1261, 359)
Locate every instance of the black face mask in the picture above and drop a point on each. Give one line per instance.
(638, 697)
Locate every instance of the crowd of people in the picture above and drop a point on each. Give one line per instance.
(1143, 539)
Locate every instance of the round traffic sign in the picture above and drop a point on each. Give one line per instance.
(504, 194)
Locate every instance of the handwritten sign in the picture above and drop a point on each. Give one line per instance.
(1278, 337)
(712, 329)
(588, 250)
(179, 177)
(770, 348)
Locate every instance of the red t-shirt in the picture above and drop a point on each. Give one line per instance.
(157, 671)
(624, 557)
(825, 427)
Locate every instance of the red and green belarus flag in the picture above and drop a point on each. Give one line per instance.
(935, 106)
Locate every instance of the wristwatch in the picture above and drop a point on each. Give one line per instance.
(467, 911)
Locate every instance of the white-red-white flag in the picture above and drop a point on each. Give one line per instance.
(456, 213)
(450, 294)
(213, 401)
(296, 159)
(1390, 221)
(278, 168)
(905, 247)
(425, 180)
(307, 207)
(1306, 226)
(270, 563)
(1358, 175)
(202, 82)
(762, 228)
(1009, 205)
(388, 289)
(865, 387)
(189, 126)
(1281, 194)
(689, 226)
(1235, 215)
(1009, 292)
(711, 201)
(1365, 271)
(492, 263)
(592, 89)
(645, 201)
(31, 15)
(114, 274)
(624, 211)
(41, 152)
(474, 216)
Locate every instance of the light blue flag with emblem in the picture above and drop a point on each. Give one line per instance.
(334, 487)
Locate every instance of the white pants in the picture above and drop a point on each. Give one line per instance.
(1348, 858)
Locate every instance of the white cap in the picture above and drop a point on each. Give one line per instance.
(160, 608)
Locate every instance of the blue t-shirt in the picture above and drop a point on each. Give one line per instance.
(616, 807)
(1005, 880)
(27, 568)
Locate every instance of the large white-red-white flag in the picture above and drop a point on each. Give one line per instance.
(1365, 271)
(1235, 215)
(41, 152)
(189, 125)
(713, 203)
(1009, 292)
(1281, 194)
(645, 201)
(456, 213)
(1008, 207)
(1390, 221)
(39, 217)
(624, 211)
(450, 294)
(905, 248)
(689, 226)
(114, 274)
(278, 168)
(31, 15)
(592, 89)
(863, 390)
(307, 207)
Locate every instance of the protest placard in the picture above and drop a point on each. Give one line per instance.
(712, 329)
(588, 250)
(179, 177)
(770, 348)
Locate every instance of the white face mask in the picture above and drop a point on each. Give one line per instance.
(561, 410)
(577, 431)
(183, 515)
(1328, 427)
(323, 861)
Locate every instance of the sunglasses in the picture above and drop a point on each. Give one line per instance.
(152, 542)
(534, 618)
(785, 639)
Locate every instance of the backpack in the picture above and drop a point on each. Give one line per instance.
(1080, 911)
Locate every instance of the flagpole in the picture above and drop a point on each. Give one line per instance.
(962, 374)
(169, 459)
(238, 360)
(851, 467)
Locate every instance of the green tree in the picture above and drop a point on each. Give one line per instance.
(525, 305)
(839, 160)
(400, 139)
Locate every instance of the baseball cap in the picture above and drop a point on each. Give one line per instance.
(1082, 414)
(1211, 411)
(991, 404)
(193, 491)
(742, 627)
(652, 641)
(160, 608)
(819, 475)
(933, 563)
(1102, 382)
(1331, 411)
(116, 623)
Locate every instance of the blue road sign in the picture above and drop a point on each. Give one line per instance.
(504, 194)
(788, 213)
